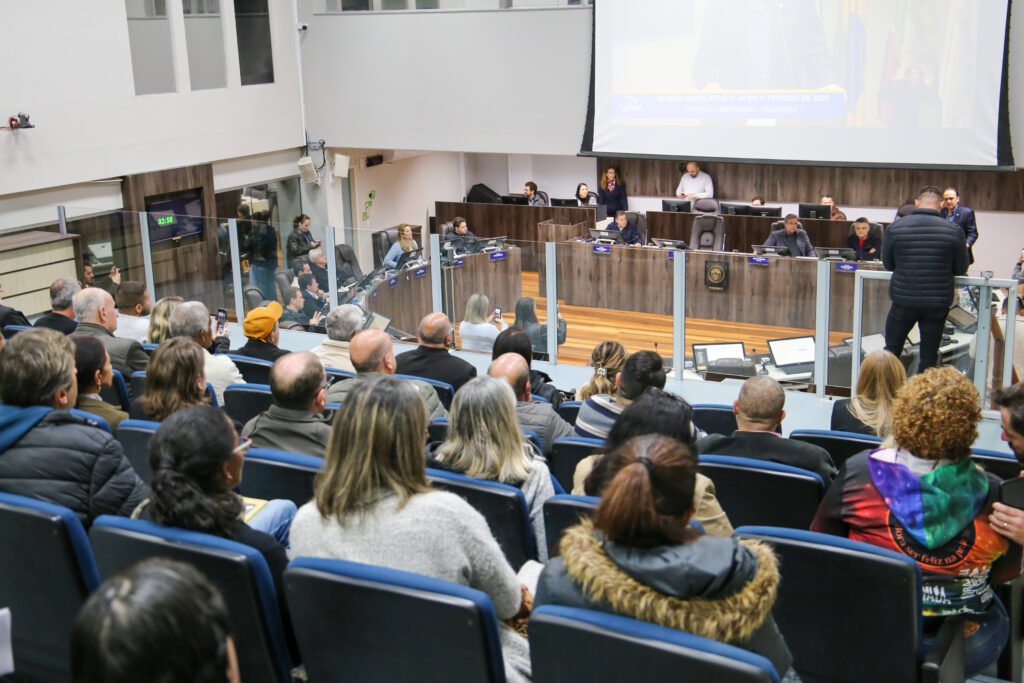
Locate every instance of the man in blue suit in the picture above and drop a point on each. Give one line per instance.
(962, 216)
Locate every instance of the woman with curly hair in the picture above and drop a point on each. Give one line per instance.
(607, 359)
(921, 495)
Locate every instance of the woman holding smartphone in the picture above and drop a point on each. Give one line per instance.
(481, 325)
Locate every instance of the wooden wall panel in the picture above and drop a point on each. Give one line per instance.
(981, 190)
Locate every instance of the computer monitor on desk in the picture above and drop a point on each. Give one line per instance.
(814, 211)
(733, 209)
(765, 249)
(766, 211)
(606, 236)
(676, 205)
(564, 202)
(668, 244)
(703, 354)
(835, 253)
(514, 199)
(408, 257)
(793, 355)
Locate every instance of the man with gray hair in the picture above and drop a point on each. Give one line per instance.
(62, 314)
(431, 359)
(759, 414)
(295, 422)
(97, 317)
(537, 417)
(192, 321)
(341, 323)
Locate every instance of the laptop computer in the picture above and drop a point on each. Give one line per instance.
(793, 355)
(407, 257)
(668, 244)
(763, 249)
(705, 354)
(376, 321)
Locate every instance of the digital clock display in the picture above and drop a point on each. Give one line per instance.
(165, 220)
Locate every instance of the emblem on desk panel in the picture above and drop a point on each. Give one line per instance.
(393, 282)
(602, 249)
(420, 272)
(846, 267)
(716, 275)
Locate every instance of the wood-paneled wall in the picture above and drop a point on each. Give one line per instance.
(981, 190)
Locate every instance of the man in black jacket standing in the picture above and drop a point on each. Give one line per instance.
(924, 253)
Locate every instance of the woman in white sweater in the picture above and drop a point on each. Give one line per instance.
(373, 505)
(478, 332)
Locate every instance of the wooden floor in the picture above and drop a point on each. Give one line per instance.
(588, 327)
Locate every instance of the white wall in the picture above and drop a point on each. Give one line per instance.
(472, 81)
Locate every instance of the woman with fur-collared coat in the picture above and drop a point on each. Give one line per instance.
(640, 558)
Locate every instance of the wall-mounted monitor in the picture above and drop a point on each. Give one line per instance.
(175, 216)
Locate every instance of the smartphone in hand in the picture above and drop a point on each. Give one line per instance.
(222, 322)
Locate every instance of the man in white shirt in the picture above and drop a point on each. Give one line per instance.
(192, 321)
(341, 323)
(133, 306)
(695, 183)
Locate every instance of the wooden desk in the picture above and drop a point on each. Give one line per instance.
(405, 298)
(743, 231)
(500, 278)
(30, 261)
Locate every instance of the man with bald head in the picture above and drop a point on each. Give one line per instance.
(97, 317)
(372, 355)
(539, 417)
(295, 422)
(431, 358)
(759, 414)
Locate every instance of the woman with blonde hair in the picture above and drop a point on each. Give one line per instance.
(373, 505)
(404, 244)
(608, 358)
(485, 441)
(160, 319)
(870, 410)
(175, 379)
(477, 331)
(611, 191)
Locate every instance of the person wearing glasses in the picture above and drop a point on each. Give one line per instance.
(295, 421)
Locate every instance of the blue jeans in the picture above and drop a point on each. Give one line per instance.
(276, 519)
(985, 637)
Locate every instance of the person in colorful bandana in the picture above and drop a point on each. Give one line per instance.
(921, 495)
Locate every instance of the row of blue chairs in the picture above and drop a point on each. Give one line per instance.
(849, 612)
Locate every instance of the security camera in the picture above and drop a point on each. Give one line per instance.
(301, 26)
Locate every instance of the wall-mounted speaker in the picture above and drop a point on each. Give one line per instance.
(341, 164)
(308, 171)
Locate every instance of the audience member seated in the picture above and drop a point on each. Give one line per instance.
(11, 316)
(791, 236)
(192, 321)
(611, 191)
(539, 417)
(515, 340)
(300, 241)
(1006, 520)
(431, 359)
(97, 317)
(757, 200)
(294, 309)
(925, 498)
(300, 268)
(642, 370)
(295, 422)
(373, 505)
(526, 319)
(695, 183)
(318, 267)
(62, 314)
(867, 246)
(640, 558)
(870, 410)
(837, 213)
(372, 355)
(404, 244)
(46, 452)
(94, 373)
(533, 198)
(655, 412)
(477, 331)
(313, 301)
(174, 380)
(133, 309)
(485, 441)
(341, 323)
(160, 319)
(160, 620)
(262, 333)
(759, 417)
(607, 359)
(584, 197)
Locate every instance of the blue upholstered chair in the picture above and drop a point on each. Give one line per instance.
(755, 491)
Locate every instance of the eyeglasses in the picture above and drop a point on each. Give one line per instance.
(244, 444)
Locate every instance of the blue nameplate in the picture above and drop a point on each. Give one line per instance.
(602, 249)
(458, 263)
(420, 272)
(393, 282)
(758, 260)
(671, 254)
(499, 255)
(846, 267)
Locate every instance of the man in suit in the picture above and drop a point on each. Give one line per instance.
(61, 316)
(97, 317)
(963, 216)
(313, 301)
(791, 236)
(431, 358)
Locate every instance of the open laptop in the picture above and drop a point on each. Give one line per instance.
(835, 253)
(705, 354)
(794, 355)
(668, 244)
(962, 318)
(408, 257)
(869, 343)
(376, 321)
(489, 244)
(764, 249)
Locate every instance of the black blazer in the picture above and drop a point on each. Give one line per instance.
(435, 364)
(614, 200)
(872, 242)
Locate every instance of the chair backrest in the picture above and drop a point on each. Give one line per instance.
(639, 219)
(382, 241)
(253, 298)
(840, 362)
(572, 644)
(1003, 465)
(840, 445)
(117, 393)
(254, 370)
(708, 233)
(714, 418)
(437, 430)
(445, 391)
(503, 506)
(739, 367)
(138, 383)
(239, 571)
(245, 401)
(283, 278)
(11, 330)
(762, 492)
(566, 454)
(562, 512)
(384, 631)
(706, 205)
(539, 399)
(95, 419)
(339, 375)
(271, 474)
(839, 599)
(346, 255)
(544, 195)
(570, 410)
(134, 436)
(534, 438)
(47, 571)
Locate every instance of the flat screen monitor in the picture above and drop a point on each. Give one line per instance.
(376, 321)
(836, 253)
(791, 351)
(770, 249)
(514, 199)
(668, 244)
(676, 205)
(407, 257)
(703, 354)
(486, 244)
(176, 216)
(734, 209)
(814, 211)
(613, 236)
(564, 202)
(767, 211)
